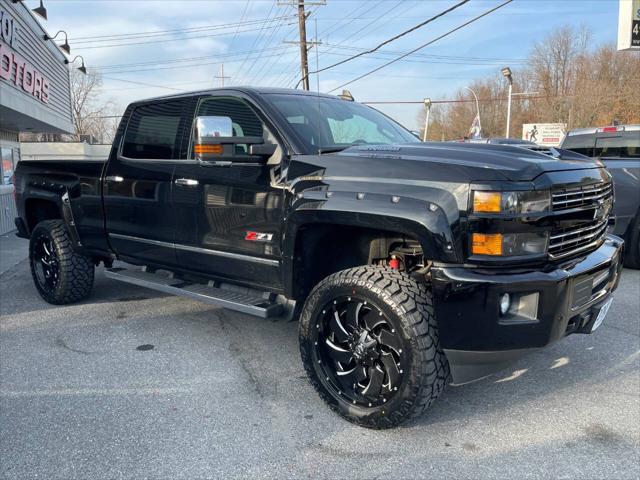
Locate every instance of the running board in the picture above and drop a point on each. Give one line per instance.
(238, 299)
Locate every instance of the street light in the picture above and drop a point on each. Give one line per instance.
(477, 109)
(82, 68)
(65, 46)
(427, 105)
(41, 10)
(506, 72)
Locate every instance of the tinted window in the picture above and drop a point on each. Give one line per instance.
(155, 131)
(584, 144)
(625, 146)
(244, 120)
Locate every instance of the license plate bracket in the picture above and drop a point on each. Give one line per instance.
(600, 314)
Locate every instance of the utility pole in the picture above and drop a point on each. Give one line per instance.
(302, 42)
(221, 76)
(302, 27)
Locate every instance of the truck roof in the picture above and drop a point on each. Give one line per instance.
(243, 89)
(592, 130)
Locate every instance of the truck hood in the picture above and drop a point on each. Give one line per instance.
(512, 163)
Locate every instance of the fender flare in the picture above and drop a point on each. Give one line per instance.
(58, 195)
(423, 221)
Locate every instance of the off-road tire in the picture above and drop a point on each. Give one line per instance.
(409, 305)
(75, 271)
(632, 245)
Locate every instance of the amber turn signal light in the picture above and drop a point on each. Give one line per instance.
(487, 202)
(486, 244)
(201, 149)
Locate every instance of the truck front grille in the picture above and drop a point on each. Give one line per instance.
(581, 196)
(567, 241)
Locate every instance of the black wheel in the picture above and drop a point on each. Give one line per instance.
(60, 274)
(369, 344)
(632, 246)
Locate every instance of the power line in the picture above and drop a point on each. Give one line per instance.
(156, 33)
(262, 62)
(143, 84)
(181, 60)
(375, 20)
(255, 42)
(429, 56)
(396, 37)
(242, 17)
(423, 45)
(173, 39)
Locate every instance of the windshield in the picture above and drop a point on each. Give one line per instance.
(329, 124)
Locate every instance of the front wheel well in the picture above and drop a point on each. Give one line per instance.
(324, 249)
(37, 210)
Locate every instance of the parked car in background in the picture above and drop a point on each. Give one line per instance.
(619, 148)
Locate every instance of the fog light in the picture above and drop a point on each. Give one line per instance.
(505, 303)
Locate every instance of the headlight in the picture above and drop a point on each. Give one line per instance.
(526, 201)
(509, 244)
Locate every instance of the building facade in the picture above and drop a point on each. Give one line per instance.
(35, 92)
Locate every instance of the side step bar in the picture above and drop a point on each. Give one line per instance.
(228, 297)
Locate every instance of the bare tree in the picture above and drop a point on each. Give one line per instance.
(90, 115)
(576, 85)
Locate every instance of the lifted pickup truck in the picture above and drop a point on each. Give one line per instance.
(408, 262)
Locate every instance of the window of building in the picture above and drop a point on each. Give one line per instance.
(7, 166)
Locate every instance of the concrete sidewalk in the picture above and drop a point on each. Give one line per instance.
(12, 250)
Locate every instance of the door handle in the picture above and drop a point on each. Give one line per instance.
(186, 182)
(114, 178)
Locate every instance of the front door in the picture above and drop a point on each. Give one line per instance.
(137, 189)
(228, 217)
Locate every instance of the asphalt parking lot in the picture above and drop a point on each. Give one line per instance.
(222, 394)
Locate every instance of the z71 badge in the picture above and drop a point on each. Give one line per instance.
(258, 237)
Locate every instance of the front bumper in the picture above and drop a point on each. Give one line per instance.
(570, 295)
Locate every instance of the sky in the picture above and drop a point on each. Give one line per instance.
(147, 48)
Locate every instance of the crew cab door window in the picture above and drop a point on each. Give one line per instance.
(244, 120)
(155, 131)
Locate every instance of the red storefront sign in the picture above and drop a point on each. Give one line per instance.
(15, 69)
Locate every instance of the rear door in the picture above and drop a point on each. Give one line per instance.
(229, 217)
(137, 185)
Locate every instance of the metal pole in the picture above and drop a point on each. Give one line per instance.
(477, 108)
(304, 64)
(315, 20)
(509, 109)
(426, 124)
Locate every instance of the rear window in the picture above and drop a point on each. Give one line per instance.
(155, 131)
(621, 145)
(584, 144)
(625, 146)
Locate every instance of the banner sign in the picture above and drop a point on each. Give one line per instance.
(629, 25)
(546, 134)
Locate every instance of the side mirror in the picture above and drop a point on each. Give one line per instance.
(215, 143)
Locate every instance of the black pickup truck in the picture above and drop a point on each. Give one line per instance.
(406, 263)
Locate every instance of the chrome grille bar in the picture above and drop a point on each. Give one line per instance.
(585, 196)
